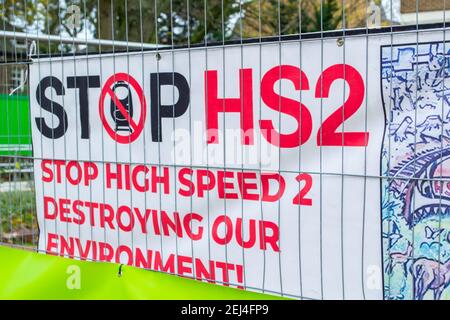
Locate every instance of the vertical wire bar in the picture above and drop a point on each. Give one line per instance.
(389, 124)
(13, 158)
(342, 154)
(191, 150)
(22, 176)
(6, 90)
(113, 37)
(440, 182)
(300, 42)
(260, 141)
(41, 140)
(63, 103)
(77, 113)
(279, 149)
(31, 177)
(87, 93)
(130, 157)
(34, 230)
(320, 151)
(50, 51)
(413, 196)
(4, 86)
(19, 152)
(142, 103)
(100, 54)
(241, 92)
(159, 119)
(366, 80)
(7, 100)
(205, 6)
(174, 130)
(224, 121)
(442, 141)
(17, 183)
(11, 230)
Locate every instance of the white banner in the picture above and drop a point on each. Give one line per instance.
(256, 165)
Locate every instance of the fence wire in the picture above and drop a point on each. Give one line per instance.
(93, 29)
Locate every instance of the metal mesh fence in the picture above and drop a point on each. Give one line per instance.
(92, 37)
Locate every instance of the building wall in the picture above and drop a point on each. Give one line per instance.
(424, 11)
(410, 6)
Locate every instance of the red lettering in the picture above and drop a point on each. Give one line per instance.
(121, 211)
(164, 179)
(187, 222)
(327, 135)
(242, 105)
(90, 172)
(47, 214)
(186, 182)
(182, 269)
(174, 225)
(47, 173)
(245, 186)
(265, 184)
(287, 106)
(106, 252)
(142, 219)
(52, 243)
(110, 175)
(201, 184)
(168, 267)
(228, 230)
(251, 232)
(222, 185)
(266, 238)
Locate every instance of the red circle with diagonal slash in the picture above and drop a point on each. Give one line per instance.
(137, 127)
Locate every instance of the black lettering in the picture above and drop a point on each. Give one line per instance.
(51, 106)
(83, 83)
(159, 111)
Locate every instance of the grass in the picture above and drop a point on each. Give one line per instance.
(18, 217)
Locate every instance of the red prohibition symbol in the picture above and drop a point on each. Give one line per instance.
(123, 112)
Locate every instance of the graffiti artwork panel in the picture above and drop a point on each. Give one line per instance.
(416, 159)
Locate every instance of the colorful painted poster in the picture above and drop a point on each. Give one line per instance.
(415, 157)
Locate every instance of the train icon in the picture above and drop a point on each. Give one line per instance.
(122, 91)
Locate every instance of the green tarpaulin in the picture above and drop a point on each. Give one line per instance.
(15, 132)
(30, 275)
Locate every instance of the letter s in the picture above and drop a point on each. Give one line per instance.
(290, 107)
(51, 106)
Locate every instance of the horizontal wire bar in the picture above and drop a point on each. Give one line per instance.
(228, 168)
(73, 40)
(291, 38)
(22, 62)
